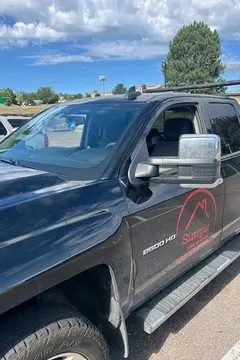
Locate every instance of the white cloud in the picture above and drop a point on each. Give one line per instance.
(125, 50)
(5, 45)
(232, 63)
(21, 32)
(119, 25)
(56, 58)
(234, 66)
(111, 50)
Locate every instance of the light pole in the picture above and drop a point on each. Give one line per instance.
(164, 63)
(103, 78)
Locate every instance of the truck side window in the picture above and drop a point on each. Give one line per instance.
(17, 122)
(225, 123)
(163, 138)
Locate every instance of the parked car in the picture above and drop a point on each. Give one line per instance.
(8, 125)
(134, 213)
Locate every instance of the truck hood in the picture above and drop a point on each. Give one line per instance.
(16, 180)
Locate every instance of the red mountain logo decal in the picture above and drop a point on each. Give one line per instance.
(203, 205)
(196, 221)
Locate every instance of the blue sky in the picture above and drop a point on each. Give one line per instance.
(68, 44)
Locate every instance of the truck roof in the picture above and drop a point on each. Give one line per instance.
(143, 98)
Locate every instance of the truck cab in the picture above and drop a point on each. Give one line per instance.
(131, 206)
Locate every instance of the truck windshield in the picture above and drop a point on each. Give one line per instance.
(75, 140)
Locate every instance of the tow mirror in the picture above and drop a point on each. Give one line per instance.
(198, 163)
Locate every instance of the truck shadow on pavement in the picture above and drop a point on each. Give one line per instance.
(143, 346)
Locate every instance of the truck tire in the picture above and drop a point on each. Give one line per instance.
(50, 333)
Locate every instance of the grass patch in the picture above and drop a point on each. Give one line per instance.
(22, 110)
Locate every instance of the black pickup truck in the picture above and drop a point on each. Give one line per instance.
(111, 206)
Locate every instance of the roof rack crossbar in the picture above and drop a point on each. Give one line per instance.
(191, 87)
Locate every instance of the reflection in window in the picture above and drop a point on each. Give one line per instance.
(76, 140)
(225, 123)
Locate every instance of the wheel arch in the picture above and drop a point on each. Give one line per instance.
(39, 290)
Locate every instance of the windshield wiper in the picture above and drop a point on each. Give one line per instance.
(8, 161)
(15, 163)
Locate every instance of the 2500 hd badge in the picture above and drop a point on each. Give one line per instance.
(159, 244)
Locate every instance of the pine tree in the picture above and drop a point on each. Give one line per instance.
(194, 57)
(119, 89)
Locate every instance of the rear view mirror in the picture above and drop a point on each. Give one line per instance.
(198, 164)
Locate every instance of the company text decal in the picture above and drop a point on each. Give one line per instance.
(196, 222)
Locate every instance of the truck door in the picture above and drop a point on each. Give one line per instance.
(224, 121)
(172, 228)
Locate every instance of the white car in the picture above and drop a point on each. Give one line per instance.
(9, 124)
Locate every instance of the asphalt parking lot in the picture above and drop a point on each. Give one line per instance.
(65, 138)
(206, 328)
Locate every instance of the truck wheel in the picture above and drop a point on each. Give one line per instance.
(51, 333)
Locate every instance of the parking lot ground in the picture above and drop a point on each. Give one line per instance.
(234, 353)
(206, 328)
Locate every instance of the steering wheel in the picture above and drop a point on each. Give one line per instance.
(110, 145)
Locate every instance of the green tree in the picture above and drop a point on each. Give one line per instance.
(68, 96)
(119, 89)
(19, 98)
(97, 94)
(78, 96)
(10, 94)
(194, 57)
(88, 95)
(8, 102)
(28, 98)
(47, 95)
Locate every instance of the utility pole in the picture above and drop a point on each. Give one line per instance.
(103, 78)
